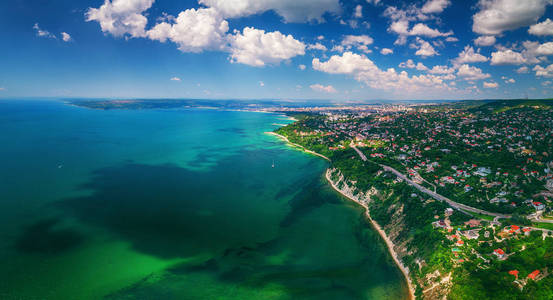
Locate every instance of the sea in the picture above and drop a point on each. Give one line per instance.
(174, 204)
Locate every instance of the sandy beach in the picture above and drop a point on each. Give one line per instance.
(299, 146)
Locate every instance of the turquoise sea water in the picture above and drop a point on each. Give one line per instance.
(174, 204)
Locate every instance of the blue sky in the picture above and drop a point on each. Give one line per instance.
(285, 49)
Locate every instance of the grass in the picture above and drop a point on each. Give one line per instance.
(481, 216)
(543, 225)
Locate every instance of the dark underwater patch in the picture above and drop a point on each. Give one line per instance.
(46, 238)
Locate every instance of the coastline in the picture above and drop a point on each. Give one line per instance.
(389, 243)
(376, 226)
(296, 145)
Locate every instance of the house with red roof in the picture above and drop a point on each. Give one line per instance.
(514, 273)
(534, 274)
(499, 253)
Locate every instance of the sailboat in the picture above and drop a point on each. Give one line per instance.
(273, 164)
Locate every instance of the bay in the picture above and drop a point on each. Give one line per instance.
(174, 204)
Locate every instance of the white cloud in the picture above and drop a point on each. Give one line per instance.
(545, 49)
(490, 85)
(386, 51)
(317, 46)
(321, 37)
(543, 28)
(401, 27)
(421, 29)
(408, 64)
(421, 67)
(468, 55)
(364, 70)
(411, 65)
(497, 16)
(451, 39)
(358, 11)
(523, 70)
(544, 72)
(193, 30)
(65, 37)
(485, 40)
(441, 70)
(175, 79)
(375, 2)
(321, 88)
(302, 67)
(424, 48)
(471, 73)
(261, 83)
(435, 6)
(360, 41)
(291, 10)
(43, 33)
(254, 47)
(2, 89)
(510, 80)
(121, 17)
(507, 57)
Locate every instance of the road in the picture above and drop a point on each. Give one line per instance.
(432, 194)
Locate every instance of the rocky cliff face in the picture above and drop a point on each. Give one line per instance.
(430, 285)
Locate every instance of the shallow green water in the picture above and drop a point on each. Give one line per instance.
(180, 204)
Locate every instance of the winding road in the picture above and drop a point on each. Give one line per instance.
(456, 205)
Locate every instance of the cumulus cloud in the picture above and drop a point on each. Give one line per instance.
(121, 17)
(321, 88)
(497, 16)
(193, 30)
(411, 65)
(490, 85)
(65, 37)
(441, 70)
(175, 79)
(2, 89)
(358, 11)
(543, 28)
(360, 41)
(302, 67)
(42, 32)
(424, 48)
(408, 64)
(451, 39)
(485, 40)
(317, 46)
(507, 57)
(544, 72)
(401, 27)
(468, 55)
(290, 10)
(365, 70)
(261, 83)
(205, 29)
(523, 70)
(386, 51)
(435, 6)
(256, 47)
(471, 73)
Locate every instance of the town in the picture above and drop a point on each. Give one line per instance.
(463, 190)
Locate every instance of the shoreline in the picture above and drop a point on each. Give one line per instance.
(376, 226)
(389, 243)
(296, 145)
